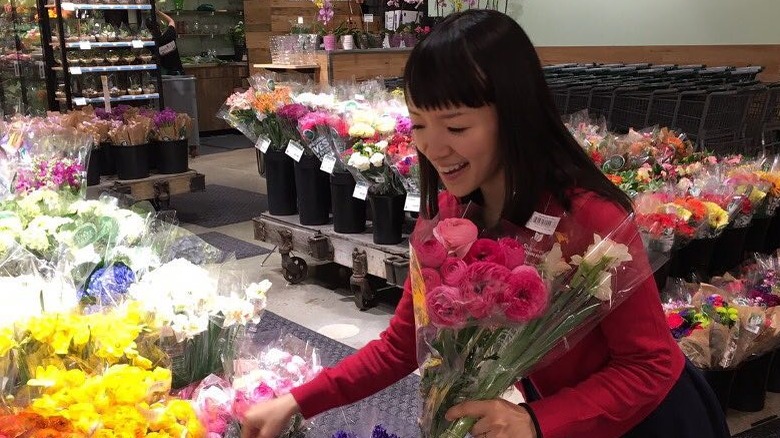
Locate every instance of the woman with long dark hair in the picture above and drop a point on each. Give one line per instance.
(487, 129)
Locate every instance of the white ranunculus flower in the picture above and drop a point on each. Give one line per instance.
(368, 151)
(385, 124)
(617, 253)
(12, 223)
(359, 162)
(377, 160)
(381, 145)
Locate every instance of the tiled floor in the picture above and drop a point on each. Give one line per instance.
(331, 312)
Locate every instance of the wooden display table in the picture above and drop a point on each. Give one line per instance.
(323, 244)
(157, 188)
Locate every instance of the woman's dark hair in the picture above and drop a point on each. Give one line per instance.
(483, 57)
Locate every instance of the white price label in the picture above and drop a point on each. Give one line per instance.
(41, 69)
(263, 143)
(412, 203)
(368, 18)
(68, 6)
(85, 45)
(360, 97)
(17, 69)
(80, 101)
(75, 70)
(360, 192)
(294, 150)
(300, 20)
(543, 223)
(138, 44)
(328, 163)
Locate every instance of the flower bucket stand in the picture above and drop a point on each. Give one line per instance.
(369, 261)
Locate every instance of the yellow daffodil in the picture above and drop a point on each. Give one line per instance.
(7, 341)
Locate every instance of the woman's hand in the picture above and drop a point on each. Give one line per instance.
(269, 419)
(495, 419)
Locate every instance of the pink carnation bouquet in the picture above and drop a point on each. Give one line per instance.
(493, 305)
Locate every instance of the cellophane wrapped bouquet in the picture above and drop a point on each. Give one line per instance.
(493, 305)
(238, 111)
(257, 371)
(200, 311)
(668, 219)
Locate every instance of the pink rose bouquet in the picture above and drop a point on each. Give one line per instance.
(491, 306)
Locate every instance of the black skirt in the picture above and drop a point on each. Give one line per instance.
(690, 410)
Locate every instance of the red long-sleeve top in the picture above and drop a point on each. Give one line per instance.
(603, 387)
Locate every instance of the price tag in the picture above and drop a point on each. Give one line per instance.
(300, 20)
(294, 150)
(263, 143)
(137, 44)
(328, 163)
(85, 45)
(68, 6)
(368, 18)
(412, 203)
(17, 69)
(543, 223)
(79, 101)
(75, 70)
(41, 69)
(361, 191)
(360, 97)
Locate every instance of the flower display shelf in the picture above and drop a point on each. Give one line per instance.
(81, 101)
(157, 188)
(73, 72)
(88, 45)
(321, 243)
(68, 6)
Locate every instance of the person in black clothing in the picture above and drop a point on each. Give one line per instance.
(170, 61)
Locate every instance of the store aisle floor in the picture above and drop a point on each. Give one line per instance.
(316, 307)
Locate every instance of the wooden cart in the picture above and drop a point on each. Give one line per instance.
(322, 243)
(157, 188)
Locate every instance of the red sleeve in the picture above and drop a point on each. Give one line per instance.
(374, 367)
(644, 361)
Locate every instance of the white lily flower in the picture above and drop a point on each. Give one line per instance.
(553, 263)
(616, 253)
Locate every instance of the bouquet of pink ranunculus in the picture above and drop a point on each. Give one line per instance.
(259, 374)
(492, 306)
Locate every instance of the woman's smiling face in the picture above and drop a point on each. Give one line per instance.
(461, 143)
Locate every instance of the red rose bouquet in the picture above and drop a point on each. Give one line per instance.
(493, 305)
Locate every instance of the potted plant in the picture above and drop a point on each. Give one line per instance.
(238, 36)
(325, 15)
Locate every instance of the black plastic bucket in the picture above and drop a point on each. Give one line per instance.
(132, 162)
(313, 189)
(280, 183)
(349, 213)
(172, 156)
(93, 167)
(388, 215)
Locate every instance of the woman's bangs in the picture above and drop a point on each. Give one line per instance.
(441, 75)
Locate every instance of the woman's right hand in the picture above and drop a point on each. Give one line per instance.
(269, 419)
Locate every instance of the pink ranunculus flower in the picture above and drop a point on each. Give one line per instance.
(514, 254)
(485, 250)
(456, 235)
(452, 271)
(431, 253)
(449, 207)
(484, 285)
(431, 278)
(445, 307)
(527, 295)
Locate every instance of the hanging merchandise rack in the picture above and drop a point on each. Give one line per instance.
(91, 61)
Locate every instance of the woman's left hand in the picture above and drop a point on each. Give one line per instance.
(495, 419)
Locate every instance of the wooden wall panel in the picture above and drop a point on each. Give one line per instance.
(767, 56)
(265, 18)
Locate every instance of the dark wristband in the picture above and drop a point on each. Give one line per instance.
(531, 413)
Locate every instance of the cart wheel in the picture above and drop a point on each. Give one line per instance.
(362, 294)
(296, 270)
